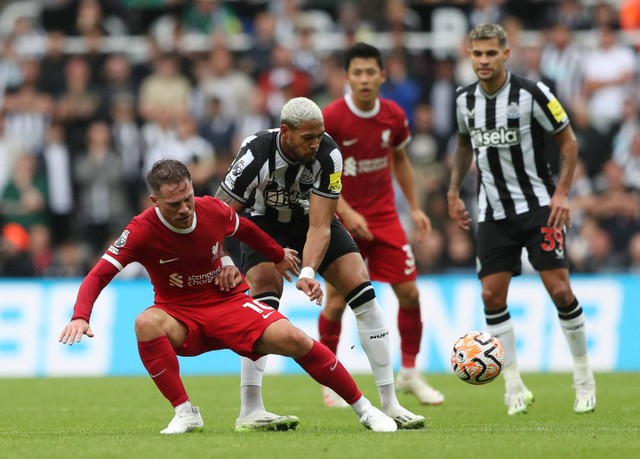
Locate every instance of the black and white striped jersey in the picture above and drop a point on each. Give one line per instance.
(507, 132)
(261, 176)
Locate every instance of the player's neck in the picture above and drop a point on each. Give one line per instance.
(493, 86)
(364, 105)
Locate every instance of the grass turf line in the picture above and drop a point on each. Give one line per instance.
(122, 417)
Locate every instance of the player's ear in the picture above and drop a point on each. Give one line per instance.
(507, 53)
(154, 200)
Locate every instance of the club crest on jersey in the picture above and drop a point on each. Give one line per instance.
(215, 249)
(119, 243)
(306, 177)
(385, 137)
(513, 111)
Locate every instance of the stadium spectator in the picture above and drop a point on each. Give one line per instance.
(102, 207)
(78, 105)
(293, 177)
(207, 314)
(609, 70)
(561, 64)
(15, 256)
(60, 183)
(517, 207)
(24, 198)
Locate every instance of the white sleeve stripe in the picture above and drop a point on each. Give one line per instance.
(113, 261)
(237, 225)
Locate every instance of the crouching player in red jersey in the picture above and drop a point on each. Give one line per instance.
(200, 303)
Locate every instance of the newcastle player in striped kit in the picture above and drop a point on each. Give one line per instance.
(289, 179)
(502, 121)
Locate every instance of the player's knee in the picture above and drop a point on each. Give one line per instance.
(147, 325)
(492, 299)
(561, 294)
(298, 343)
(409, 298)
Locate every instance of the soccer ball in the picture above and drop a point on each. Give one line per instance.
(477, 358)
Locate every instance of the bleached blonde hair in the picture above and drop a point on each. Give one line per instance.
(299, 110)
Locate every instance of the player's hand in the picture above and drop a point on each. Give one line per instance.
(311, 288)
(357, 225)
(290, 264)
(74, 330)
(422, 224)
(228, 278)
(458, 212)
(560, 215)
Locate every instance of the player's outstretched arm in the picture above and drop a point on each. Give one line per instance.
(290, 264)
(311, 288)
(74, 330)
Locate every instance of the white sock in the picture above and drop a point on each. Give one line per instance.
(374, 337)
(574, 333)
(581, 369)
(407, 372)
(505, 332)
(360, 406)
(251, 373)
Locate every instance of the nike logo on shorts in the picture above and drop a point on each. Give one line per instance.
(349, 142)
(266, 316)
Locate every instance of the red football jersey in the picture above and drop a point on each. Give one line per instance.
(367, 140)
(182, 263)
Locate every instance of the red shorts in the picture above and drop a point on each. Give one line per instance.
(389, 256)
(236, 323)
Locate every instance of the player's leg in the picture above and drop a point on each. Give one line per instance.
(547, 254)
(348, 274)
(409, 379)
(572, 322)
(158, 335)
(282, 338)
(499, 324)
(266, 286)
(499, 249)
(329, 327)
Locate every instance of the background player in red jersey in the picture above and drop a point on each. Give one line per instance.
(372, 133)
(200, 302)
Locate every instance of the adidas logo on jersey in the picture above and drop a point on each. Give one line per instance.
(495, 137)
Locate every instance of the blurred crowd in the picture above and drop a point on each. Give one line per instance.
(83, 116)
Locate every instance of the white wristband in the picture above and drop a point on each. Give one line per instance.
(307, 273)
(227, 261)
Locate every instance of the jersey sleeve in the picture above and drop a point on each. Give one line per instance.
(328, 182)
(97, 279)
(547, 110)
(242, 177)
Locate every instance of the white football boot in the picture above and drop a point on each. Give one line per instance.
(585, 396)
(404, 418)
(186, 419)
(518, 401)
(413, 383)
(375, 420)
(265, 421)
(331, 399)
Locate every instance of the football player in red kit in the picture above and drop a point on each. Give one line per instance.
(372, 133)
(200, 303)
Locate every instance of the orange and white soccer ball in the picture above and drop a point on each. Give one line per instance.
(477, 357)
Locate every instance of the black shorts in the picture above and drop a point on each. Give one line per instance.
(294, 236)
(500, 244)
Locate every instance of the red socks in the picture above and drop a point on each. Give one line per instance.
(410, 328)
(160, 360)
(323, 366)
(329, 332)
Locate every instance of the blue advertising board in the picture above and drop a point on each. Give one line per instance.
(32, 314)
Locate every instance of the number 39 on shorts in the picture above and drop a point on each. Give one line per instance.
(553, 238)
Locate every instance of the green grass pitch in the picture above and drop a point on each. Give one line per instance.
(122, 417)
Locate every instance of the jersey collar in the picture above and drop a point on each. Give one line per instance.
(173, 228)
(362, 113)
(495, 94)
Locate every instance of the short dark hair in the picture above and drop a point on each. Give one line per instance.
(166, 172)
(364, 51)
(488, 32)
